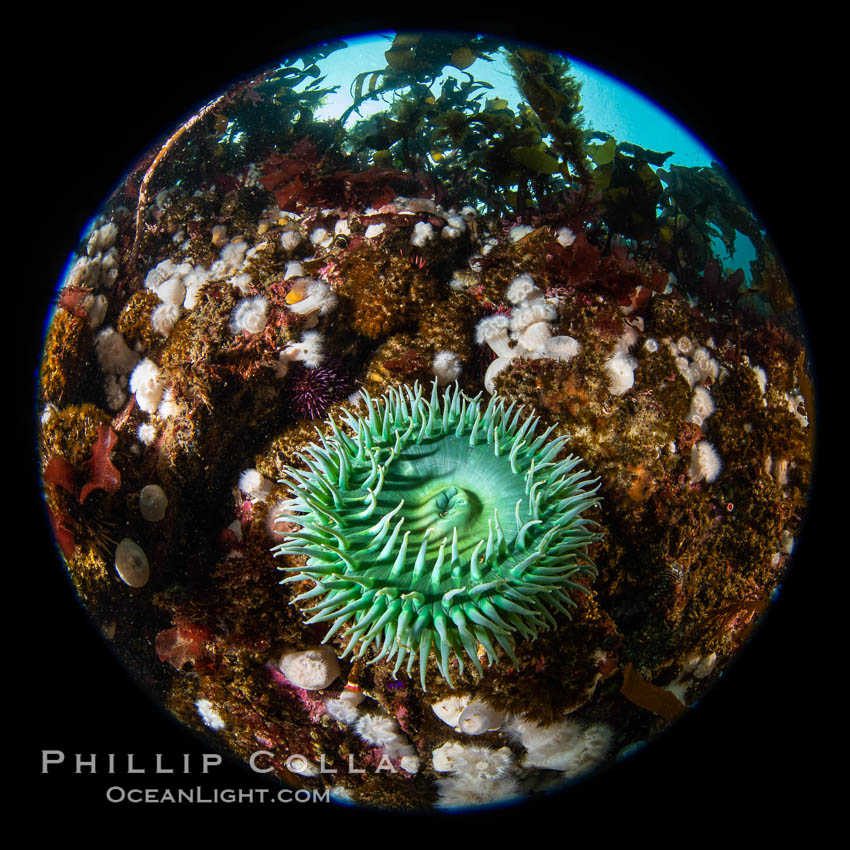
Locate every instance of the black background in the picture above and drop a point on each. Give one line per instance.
(93, 95)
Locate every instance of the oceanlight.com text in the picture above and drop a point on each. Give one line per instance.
(119, 794)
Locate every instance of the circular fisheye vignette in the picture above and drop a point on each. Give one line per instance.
(526, 356)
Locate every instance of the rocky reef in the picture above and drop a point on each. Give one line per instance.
(247, 294)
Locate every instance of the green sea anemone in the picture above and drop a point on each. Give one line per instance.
(439, 523)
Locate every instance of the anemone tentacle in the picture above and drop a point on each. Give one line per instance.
(439, 528)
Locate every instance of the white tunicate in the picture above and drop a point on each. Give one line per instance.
(152, 503)
(113, 354)
(410, 763)
(218, 235)
(423, 232)
(96, 307)
(450, 708)
(296, 763)
(132, 563)
(310, 669)
(102, 239)
(478, 718)
(374, 230)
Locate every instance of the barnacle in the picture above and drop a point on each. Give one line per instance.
(440, 523)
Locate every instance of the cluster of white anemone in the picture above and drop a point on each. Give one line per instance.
(566, 746)
(98, 268)
(694, 362)
(117, 360)
(381, 730)
(476, 775)
(178, 286)
(166, 281)
(527, 332)
(345, 707)
(620, 366)
(700, 370)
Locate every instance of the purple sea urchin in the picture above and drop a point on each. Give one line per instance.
(439, 523)
(313, 391)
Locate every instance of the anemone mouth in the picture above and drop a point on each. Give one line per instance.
(441, 523)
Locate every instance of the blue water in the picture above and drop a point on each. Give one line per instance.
(608, 104)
